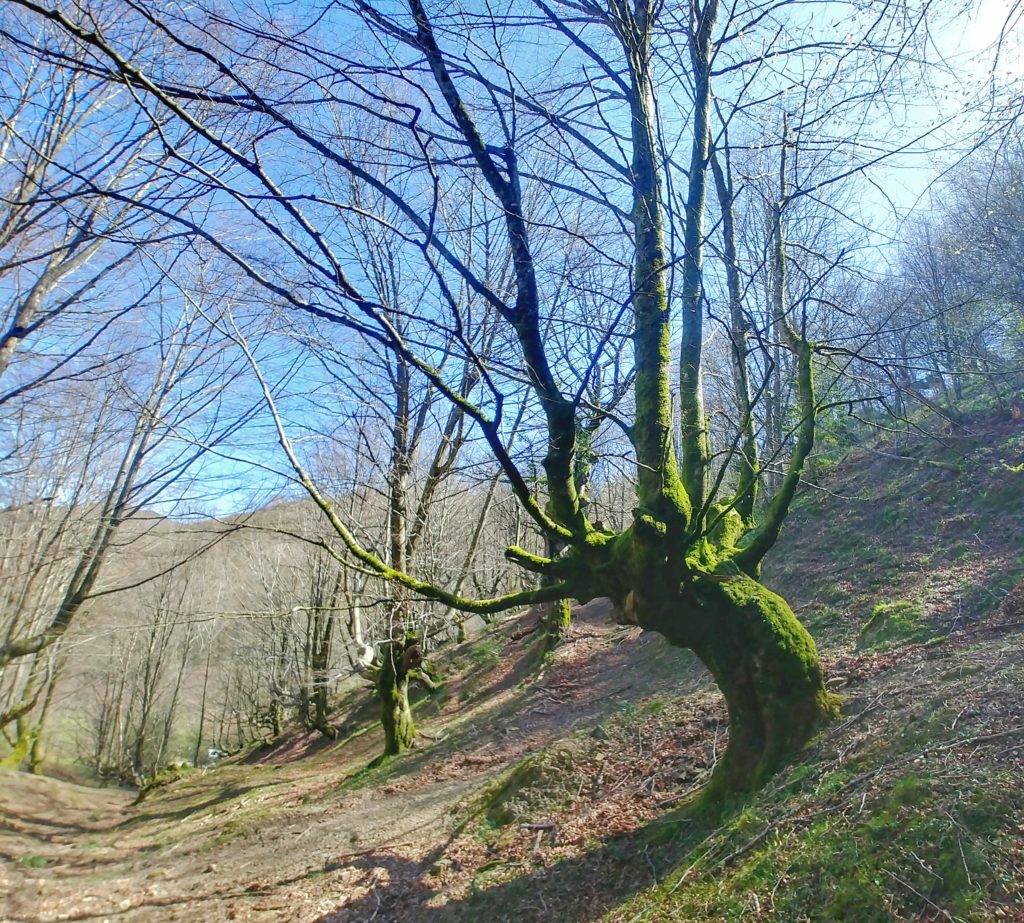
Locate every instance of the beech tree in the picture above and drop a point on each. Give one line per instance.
(565, 124)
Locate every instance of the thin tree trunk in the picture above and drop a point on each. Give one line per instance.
(323, 635)
(202, 704)
(172, 707)
(696, 448)
(739, 331)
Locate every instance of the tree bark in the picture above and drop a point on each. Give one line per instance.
(556, 623)
(761, 657)
(766, 665)
(393, 689)
(202, 703)
(696, 447)
(323, 635)
(739, 334)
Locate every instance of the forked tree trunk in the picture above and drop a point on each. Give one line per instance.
(766, 665)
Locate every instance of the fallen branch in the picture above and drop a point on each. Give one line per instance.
(966, 741)
(924, 462)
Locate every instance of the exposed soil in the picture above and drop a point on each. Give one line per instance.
(280, 837)
(285, 839)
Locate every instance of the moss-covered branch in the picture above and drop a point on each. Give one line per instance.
(534, 563)
(660, 490)
(696, 449)
(761, 540)
(422, 677)
(373, 562)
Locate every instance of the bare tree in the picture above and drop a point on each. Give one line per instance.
(72, 177)
(141, 686)
(579, 155)
(85, 474)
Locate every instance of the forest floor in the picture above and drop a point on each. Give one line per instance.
(566, 793)
(282, 835)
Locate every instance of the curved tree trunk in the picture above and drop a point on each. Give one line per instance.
(761, 657)
(766, 665)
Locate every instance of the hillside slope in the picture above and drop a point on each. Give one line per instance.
(566, 794)
(937, 521)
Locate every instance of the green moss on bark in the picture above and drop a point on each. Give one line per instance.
(556, 624)
(725, 527)
(767, 666)
(20, 751)
(393, 691)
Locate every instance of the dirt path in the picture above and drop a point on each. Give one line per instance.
(281, 839)
(287, 839)
(80, 854)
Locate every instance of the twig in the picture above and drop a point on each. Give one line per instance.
(963, 858)
(650, 863)
(964, 741)
(911, 888)
(875, 703)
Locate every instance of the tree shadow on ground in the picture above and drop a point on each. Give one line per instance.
(143, 816)
(573, 890)
(148, 907)
(45, 828)
(558, 697)
(397, 889)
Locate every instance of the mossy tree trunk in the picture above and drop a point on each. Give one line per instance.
(37, 754)
(767, 667)
(556, 623)
(401, 662)
(687, 566)
(21, 747)
(696, 446)
(761, 657)
(556, 616)
(396, 713)
(321, 711)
